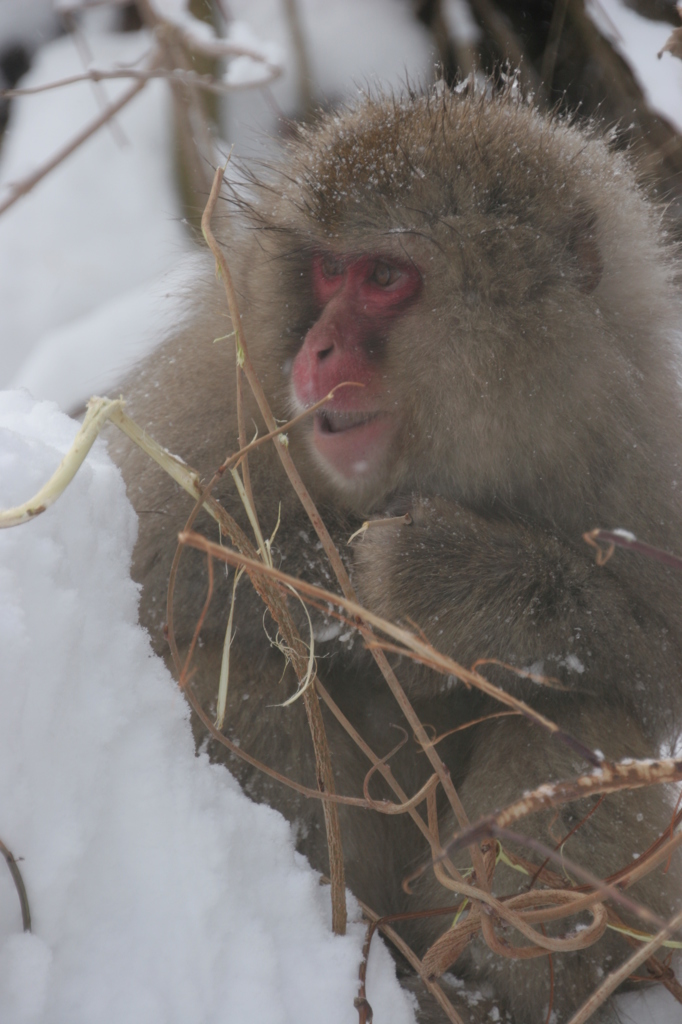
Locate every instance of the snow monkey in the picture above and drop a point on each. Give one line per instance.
(500, 286)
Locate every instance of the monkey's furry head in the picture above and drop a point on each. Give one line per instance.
(542, 334)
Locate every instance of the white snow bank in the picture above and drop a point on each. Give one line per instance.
(159, 893)
(91, 355)
(105, 220)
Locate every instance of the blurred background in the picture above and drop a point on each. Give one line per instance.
(113, 117)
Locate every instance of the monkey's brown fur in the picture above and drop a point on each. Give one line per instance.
(537, 394)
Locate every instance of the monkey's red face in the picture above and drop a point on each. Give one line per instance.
(358, 298)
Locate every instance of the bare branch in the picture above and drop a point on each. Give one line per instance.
(19, 886)
(21, 188)
(185, 77)
(624, 539)
(617, 977)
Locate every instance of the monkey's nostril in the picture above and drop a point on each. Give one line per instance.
(325, 352)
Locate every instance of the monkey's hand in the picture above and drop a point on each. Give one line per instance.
(430, 559)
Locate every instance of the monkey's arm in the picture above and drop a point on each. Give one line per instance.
(491, 588)
(496, 588)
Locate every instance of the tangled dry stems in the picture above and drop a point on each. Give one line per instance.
(559, 898)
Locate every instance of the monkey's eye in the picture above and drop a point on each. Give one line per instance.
(331, 267)
(384, 274)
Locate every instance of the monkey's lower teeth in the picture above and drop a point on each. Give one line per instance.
(337, 422)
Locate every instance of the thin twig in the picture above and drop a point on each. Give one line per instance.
(19, 886)
(568, 835)
(21, 188)
(609, 778)
(486, 829)
(209, 83)
(622, 973)
(312, 794)
(85, 53)
(556, 27)
(623, 539)
(403, 520)
(99, 411)
(233, 460)
(385, 770)
(432, 986)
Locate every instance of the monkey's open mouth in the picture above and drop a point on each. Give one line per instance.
(329, 422)
(353, 443)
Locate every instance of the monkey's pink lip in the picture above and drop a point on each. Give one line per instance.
(330, 421)
(351, 442)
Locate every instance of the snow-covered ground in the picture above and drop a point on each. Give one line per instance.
(158, 892)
